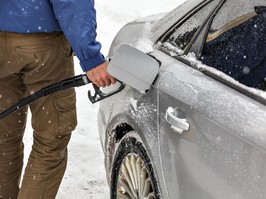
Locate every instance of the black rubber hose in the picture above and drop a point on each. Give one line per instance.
(76, 81)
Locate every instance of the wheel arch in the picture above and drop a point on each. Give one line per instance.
(119, 130)
(113, 136)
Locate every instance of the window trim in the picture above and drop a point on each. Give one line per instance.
(197, 42)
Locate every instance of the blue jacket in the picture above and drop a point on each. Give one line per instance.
(76, 18)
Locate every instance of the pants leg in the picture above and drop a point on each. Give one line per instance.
(11, 134)
(44, 60)
(53, 120)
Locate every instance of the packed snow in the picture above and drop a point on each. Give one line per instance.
(85, 175)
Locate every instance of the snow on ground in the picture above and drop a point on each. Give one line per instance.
(85, 175)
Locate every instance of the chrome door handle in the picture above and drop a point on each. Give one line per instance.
(176, 118)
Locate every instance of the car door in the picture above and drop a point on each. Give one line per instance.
(211, 136)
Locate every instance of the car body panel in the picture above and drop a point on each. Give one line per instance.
(140, 112)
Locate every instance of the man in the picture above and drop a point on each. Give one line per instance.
(34, 53)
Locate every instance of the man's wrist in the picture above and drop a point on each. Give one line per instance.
(92, 62)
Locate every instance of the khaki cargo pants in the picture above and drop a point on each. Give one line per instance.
(27, 64)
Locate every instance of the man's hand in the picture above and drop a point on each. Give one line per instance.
(100, 77)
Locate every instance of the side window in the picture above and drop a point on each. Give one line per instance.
(183, 33)
(234, 42)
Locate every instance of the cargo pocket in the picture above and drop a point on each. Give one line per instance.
(66, 113)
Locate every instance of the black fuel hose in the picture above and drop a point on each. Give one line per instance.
(76, 81)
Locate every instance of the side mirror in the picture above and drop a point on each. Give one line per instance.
(133, 67)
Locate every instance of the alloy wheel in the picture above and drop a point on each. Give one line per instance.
(133, 179)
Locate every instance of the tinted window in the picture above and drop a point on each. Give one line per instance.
(236, 42)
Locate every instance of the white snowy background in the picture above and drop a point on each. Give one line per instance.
(85, 174)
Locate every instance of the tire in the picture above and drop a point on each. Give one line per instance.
(132, 173)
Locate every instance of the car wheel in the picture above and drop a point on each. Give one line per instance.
(132, 173)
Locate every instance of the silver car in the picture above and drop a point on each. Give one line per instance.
(196, 133)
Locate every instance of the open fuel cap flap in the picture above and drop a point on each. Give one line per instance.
(133, 67)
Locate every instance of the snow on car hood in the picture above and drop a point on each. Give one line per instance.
(137, 34)
(151, 18)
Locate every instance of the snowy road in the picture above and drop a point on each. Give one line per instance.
(85, 175)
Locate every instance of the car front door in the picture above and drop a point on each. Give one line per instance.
(211, 137)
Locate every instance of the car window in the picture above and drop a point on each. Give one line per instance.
(234, 42)
(185, 31)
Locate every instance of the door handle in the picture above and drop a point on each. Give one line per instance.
(176, 118)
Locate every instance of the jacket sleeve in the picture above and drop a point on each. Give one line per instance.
(77, 19)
